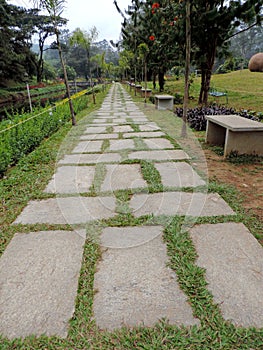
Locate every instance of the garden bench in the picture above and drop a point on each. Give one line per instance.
(215, 93)
(164, 101)
(235, 134)
(148, 92)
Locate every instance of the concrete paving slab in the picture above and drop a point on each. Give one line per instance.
(123, 176)
(122, 128)
(104, 113)
(95, 130)
(98, 136)
(119, 114)
(99, 120)
(119, 145)
(179, 203)
(135, 113)
(159, 155)
(233, 260)
(178, 174)
(90, 158)
(158, 143)
(103, 124)
(119, 120)
(138, 119)
(69, 210)
(39, 274)
(71, 179)
(143, 134)
(149, 127)
(134, 285)
(88, 147)
(129, 237)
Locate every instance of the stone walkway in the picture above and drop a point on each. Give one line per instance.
(39, 271)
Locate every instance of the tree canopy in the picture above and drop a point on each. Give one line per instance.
(161, 25)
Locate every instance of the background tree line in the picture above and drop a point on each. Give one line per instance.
(19, 57)
(160, 24)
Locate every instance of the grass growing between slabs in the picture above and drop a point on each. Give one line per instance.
(28, 179)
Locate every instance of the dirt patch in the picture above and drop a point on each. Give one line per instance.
(246, 178)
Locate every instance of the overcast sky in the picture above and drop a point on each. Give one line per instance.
(88, 13)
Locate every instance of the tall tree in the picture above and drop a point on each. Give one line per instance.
(55, 8)
(44, 28)
(213, 23)
(16, 58)
(85, 39)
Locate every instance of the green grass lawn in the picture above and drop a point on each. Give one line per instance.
(27, 180)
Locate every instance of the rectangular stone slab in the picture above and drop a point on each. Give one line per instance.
(149, 127)
(69, 210)
(71, 179)
(118, 145)
(39, 274)
(123, 176)
(95, 129)
(98, 136)
(143, 134)
(133, 284)
(159, 143)
(120, 120)
(178, 174)
(179, 203)
(233, 260)
(159, 155)
(88, 147)
(139, 119)
(90, 158)
(122, 128)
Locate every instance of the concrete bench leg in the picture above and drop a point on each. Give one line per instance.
(215, 134)
(244, 142)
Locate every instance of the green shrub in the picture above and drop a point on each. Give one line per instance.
(22, 134)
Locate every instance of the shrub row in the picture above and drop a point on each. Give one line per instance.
(23, 134)
(196, 116)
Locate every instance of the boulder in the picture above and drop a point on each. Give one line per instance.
(256, 63)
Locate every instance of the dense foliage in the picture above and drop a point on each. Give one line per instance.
(161, 25)
(21, 134)
(16, 57)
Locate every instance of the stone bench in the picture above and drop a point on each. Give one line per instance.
(164, 102)
(235, 134)
(148, 92)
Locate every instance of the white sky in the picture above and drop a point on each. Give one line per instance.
(88, 13)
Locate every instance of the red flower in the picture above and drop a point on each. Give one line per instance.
(155, 5)
(176, 18)
(153, 12)
(152, 37)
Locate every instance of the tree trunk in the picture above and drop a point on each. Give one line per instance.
(205, 86)
(145, 80)
(161, 79)
(73, 119)
(206, 72)
(187, 67)
(40, 61)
